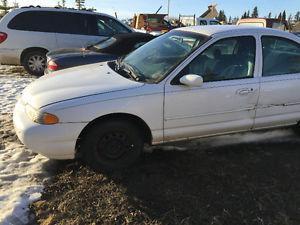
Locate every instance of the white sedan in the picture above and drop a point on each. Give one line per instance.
(188, 83)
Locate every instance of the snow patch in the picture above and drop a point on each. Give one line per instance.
(21, 171)
(10, 88)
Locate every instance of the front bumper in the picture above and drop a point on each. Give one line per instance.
(53, 141)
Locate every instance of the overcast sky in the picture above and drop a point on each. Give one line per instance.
(127, 8)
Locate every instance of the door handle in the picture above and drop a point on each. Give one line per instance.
(245, 91)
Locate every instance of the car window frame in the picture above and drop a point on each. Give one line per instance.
(175, 80)
(262, 55)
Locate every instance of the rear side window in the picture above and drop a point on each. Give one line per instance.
(280, 56)
(33, 21)
(75, 23)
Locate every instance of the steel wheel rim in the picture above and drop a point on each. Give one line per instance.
(37, 63)
(113, 145)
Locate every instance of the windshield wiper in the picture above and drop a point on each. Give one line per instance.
(130, 71)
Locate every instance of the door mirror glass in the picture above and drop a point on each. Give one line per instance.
(191, 80)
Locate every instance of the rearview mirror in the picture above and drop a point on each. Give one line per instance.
(191, 80)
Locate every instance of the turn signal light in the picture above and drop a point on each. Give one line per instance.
(49, 119)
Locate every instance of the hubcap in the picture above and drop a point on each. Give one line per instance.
(37, 63)
(113, 145)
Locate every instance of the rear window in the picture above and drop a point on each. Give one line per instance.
(33, 21)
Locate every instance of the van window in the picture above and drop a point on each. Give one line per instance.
(108, 26)
(33, 21)
(75, 23)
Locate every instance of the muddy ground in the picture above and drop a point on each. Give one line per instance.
(235, 184)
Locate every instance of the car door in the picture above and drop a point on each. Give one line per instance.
(76, 30)
(225, 102)
(279, 101)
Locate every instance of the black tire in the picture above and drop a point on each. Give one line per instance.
(111, 145)
(35, 62)
(296, 129)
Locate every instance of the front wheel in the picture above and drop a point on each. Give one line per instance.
(111, 145)
(35, 62)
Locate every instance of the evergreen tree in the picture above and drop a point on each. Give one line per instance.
(244, 15)
(297, 16)
(248, 14)
(284, 15)
(80, 4)
(270, 15)
(222, 16)
(280, 16)
(4, 6)
(290, 18)
(254, 12)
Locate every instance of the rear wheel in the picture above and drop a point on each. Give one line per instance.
(35, 62)
(111, 145)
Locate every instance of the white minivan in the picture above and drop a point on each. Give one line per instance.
(27, 34)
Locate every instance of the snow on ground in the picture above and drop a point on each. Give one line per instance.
(21, 171)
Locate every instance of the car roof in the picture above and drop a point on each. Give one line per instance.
(213, 30)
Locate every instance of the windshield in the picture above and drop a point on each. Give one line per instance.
(103, 44)
(154, 60)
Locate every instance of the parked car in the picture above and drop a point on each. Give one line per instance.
(27, 34)
(105, 50)
(265, 22)
(188, 83)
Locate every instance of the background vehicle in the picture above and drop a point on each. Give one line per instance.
(105, 50)
(151, 23)
(190, 82)
(204, 21)
(265, 22)
(27, 34)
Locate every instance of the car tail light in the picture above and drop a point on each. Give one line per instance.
(3, 37)
(149, 29)
(52, 65)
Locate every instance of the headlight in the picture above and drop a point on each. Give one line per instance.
(40, 117)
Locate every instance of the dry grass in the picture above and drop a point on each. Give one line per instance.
(236, 184)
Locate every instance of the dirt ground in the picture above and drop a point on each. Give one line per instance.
(235, 184)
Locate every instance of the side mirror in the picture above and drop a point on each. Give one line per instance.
(191, 80)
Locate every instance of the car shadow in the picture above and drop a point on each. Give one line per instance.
(237, 183)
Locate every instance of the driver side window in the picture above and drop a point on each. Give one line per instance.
(226, 59)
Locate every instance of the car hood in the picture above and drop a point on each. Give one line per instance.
(75, 83)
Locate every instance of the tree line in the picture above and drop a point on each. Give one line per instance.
(255, 14)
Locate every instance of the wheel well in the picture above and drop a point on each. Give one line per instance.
(118, 116)
(27, 50)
